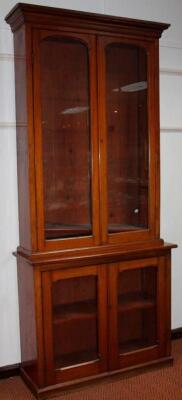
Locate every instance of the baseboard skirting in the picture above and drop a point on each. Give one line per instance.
(14, 370)
(176, 333)
(9, 371)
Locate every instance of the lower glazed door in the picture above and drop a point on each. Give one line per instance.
(74, 302)
(138, 308)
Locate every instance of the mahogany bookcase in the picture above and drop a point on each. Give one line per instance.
(94, 274)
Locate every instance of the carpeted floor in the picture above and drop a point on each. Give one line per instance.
(159, 384)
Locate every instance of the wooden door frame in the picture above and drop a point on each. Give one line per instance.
(77, 242)
(162, 346)
(89, 368)
(152, 232)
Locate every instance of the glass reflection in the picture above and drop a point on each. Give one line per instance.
(127, 137)
(66, 138)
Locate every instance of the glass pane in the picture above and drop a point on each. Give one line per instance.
(127, 137)
(137, 309)
(65, 138)
(75, 321)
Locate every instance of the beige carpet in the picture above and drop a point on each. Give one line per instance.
(159, 384)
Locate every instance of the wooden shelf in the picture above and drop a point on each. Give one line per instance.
(54, 231)
(134, 345)
(74, 311)
(114, 228)
(135, 301)
(80, 357)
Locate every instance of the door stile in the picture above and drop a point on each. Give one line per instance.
(48, 334)
(94, 124)
(164, 309)
(102, 133)
(102, 316)
(113, 316)
(38, 140)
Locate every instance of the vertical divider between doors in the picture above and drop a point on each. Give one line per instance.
(102, 137)
(94, 141)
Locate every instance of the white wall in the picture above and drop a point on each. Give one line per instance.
(171, 145)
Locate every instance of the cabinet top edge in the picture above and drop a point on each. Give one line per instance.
(22, 13)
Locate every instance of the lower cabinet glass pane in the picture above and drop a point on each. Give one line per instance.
(137, 319)
(75, 325)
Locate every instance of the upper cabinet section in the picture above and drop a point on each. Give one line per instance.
(88, 154)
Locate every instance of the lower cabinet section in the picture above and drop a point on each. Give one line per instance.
(93, 320)
(105, 317)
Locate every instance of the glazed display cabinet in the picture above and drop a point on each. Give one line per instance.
(93, 272)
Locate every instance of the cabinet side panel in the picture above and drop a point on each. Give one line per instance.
(27, 318)
(24, 144)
